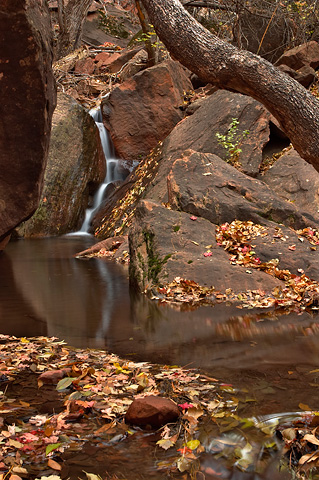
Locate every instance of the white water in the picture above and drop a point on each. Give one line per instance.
(112, 170)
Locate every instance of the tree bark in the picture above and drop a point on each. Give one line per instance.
(71, 18)
(148, 44)
(223, 65)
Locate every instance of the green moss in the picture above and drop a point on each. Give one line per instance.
(154, 262)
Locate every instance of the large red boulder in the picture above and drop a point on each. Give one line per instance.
(28, 99)
(145, 108)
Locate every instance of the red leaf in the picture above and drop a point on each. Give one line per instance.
(193, 217)
(185, 406)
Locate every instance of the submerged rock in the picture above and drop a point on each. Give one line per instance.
(152, 410)
(27, 101)
(76, 166)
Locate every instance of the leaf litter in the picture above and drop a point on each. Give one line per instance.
(90, 405)
(297, 293)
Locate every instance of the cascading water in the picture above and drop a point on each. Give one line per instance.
(112, 170)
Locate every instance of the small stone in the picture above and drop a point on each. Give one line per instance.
(152, 410)
(52, 377)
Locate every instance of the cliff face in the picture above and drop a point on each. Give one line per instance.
(28, 98)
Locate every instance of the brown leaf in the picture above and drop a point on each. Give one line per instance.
(311, 439)
(54, 465)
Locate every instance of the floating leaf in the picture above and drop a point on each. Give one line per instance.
(51, 447)
(184, 464)
(92, 476)
(65, 383)
(311, 439)
(50, 477)
(193, 444)
(54, 465)
(304, 407)
(165, 443)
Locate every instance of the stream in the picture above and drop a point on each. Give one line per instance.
(44, 290)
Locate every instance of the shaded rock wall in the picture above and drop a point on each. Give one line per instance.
(76, 166)
(28, 99)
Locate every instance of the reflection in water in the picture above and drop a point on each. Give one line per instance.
(46, 291)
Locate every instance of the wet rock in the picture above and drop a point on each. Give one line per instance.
(206, 186)
(52, 377)
(296, 181)
(153, 411)
(165, 244)
(27, 101)
(108, 244)
(144, 109)
(76, 166)
(214, 115)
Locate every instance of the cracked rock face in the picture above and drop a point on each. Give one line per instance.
(28, 98)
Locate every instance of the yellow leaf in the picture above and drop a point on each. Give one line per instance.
(193, 444)
(165, 443)
(304, 406)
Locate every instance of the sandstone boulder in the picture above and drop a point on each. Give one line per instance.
(214, 115)
(295, 180)
(113, 62)
(76, 166)
(165, 244)
(206, 186)
(153, 411)
(27, 101)
(301, 56)
(144, 109)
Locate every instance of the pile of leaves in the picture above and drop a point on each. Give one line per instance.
(93, 390)
(298, 291)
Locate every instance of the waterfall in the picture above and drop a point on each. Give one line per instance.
(112, 170)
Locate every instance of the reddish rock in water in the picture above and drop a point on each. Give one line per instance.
(153, 411)
(27, 101)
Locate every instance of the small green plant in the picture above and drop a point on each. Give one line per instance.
(149, 37)
(231, 141)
